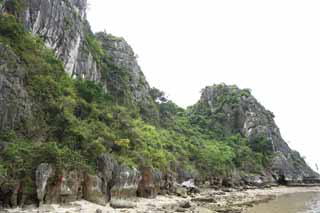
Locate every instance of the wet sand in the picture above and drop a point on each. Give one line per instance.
(239, 201)
(301, 202)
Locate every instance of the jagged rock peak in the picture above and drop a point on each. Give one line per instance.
(133, 86)
(234, 110)
(124, 57)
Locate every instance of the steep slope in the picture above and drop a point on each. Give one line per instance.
(124, 78)
(63, 27)
(229, 110)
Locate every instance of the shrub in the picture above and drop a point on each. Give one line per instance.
(10, 28)
(91, 91)
(20, 159)
(216, 158)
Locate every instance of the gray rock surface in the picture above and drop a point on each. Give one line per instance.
(122, 204)
(43, 173)
(125, 59)
(99, 211)
(64, 187)
(15, 103)
(97, 188)
(63, 26)
(243, 114)
(126, 183)
(107, 171)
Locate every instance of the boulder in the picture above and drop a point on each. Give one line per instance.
(122, 204)
(253, 180)
(185, 205)
(190, 186)
(259, 180)
(98, 211)
(181, 191)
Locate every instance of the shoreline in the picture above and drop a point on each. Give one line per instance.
(208, 200)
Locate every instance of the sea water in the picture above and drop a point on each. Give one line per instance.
(303, 202)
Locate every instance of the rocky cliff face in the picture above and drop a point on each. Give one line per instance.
(124, 57)
(15, 103)
(63, 26)
(125, 75)
(233, 111)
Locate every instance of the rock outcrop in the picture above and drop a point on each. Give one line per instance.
(63, 187)
(97, 188)
(15, 103)
(125, 78)
(126, 183)
(150, 183)
(124, 57)
(235, 111)
(93, 186)
(111, 181)
(43, 173)
(107, 172)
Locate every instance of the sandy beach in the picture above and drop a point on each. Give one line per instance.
(208, 200)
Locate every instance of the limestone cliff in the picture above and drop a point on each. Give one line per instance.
(63, 26)
(232, 110)
(124, 57)
(15, 103)
(125, 78)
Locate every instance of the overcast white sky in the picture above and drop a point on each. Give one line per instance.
(272, 47)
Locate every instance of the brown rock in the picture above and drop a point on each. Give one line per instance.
(147, 187)
(92, 190)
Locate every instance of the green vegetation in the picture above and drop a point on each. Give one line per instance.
(216, 158)
(15, 7)
(115, 38)
(76, 121)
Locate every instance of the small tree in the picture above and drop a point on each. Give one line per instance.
(216, 158)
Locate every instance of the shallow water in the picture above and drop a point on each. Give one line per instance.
(304, 202)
